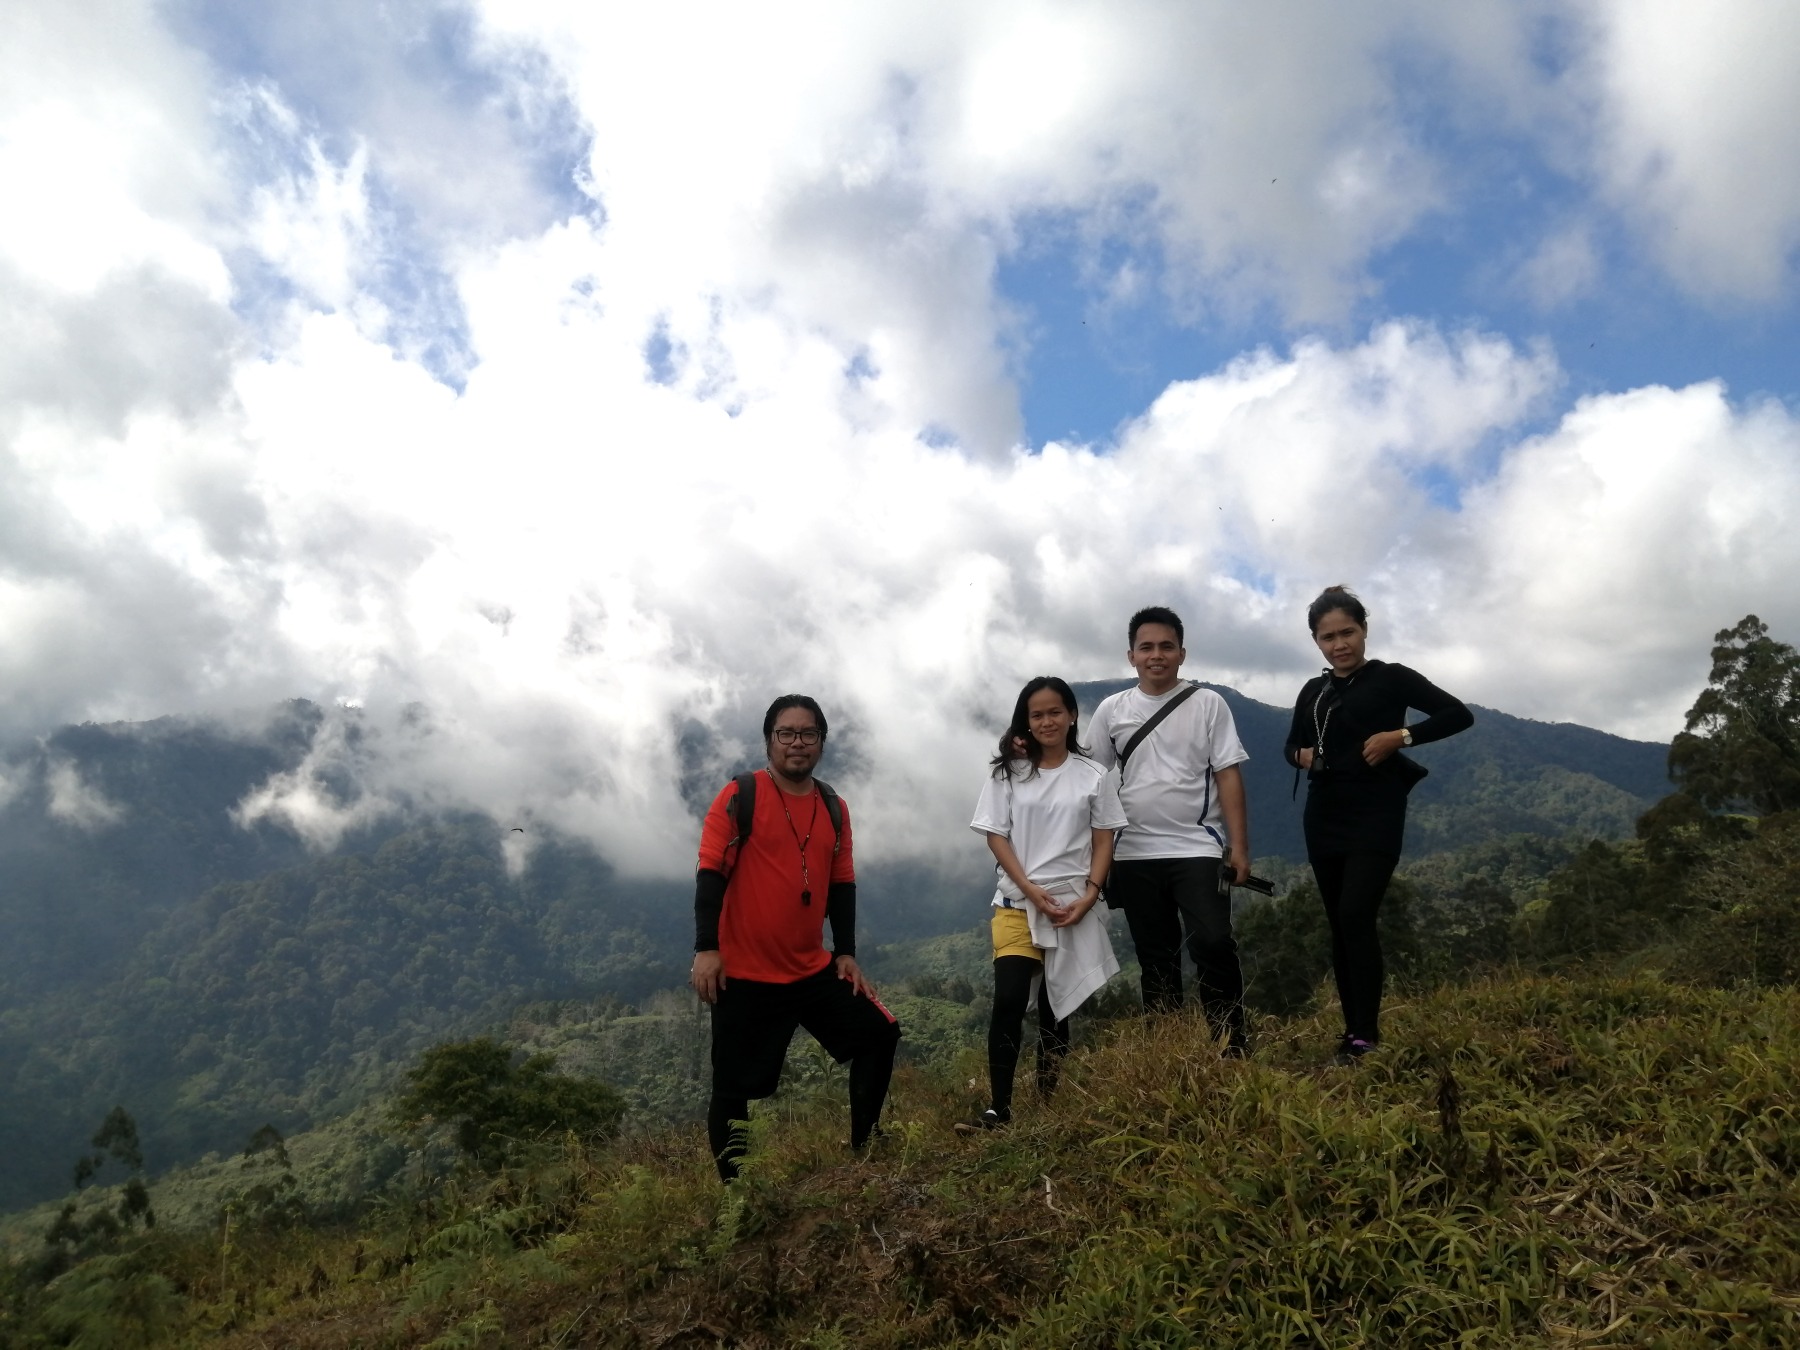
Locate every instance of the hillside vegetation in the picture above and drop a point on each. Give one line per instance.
(1580, 1130)
(1538, 1161)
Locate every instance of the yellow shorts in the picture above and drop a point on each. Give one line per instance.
(1012, 934)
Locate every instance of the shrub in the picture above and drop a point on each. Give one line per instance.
(498, 1101)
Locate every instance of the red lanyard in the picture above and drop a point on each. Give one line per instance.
(805, 874)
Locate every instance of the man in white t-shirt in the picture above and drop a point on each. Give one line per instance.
(1184, 803)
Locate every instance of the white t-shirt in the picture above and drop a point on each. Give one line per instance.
(1050, 818)
(1170, 796)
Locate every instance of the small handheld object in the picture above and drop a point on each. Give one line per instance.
(1261, 885)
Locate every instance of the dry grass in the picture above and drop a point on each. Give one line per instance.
(1535, 1161)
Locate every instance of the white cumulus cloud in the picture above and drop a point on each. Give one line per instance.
(544, 491)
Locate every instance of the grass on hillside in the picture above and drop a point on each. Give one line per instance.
(1532, 1161)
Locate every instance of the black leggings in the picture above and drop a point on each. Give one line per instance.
(1006, 1029)
(1352, 885)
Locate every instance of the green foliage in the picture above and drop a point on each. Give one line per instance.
(498, 1102)
(1741, 748)
(1285, 945)
(118, 1137)
(75, 1237)
(1605, 901)
(269, 1196)
(74, 900)
(298, 996)
(111, 1303)
(1749, 931)
(655, 1055)
(1711, 899)
(1516, 864)
(1463, 929)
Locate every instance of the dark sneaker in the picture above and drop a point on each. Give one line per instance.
(877, 1137)
(989, 1119)
(1353, 1048)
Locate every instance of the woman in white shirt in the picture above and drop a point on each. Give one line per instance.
(1048, 812)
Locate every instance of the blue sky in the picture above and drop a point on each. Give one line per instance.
(582, 373)
(1085, 367)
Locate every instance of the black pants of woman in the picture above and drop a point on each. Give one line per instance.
(1006, 1030)
(1351, 885)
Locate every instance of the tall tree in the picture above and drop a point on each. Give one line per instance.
(1741, 748)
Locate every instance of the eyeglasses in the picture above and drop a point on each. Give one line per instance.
(805, 735)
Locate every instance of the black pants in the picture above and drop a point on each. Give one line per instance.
(1161, 896)
(1006, 1030)
(1352, 885)
(752, 1023)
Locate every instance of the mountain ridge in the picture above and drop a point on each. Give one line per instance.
(213, 976)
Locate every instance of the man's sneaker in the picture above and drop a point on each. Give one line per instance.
(877, 1136)
(989, 1119)
(1353, 1048)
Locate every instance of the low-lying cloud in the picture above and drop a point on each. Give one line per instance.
(551, 511)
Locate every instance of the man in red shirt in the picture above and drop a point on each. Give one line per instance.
(759, 953)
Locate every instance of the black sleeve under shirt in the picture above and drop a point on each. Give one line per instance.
(709, 904)
(840, 908)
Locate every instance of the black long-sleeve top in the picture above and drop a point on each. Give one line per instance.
(1374, 698)
(1351, 805)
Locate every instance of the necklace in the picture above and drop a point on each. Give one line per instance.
(805, 875)
(1320, 723)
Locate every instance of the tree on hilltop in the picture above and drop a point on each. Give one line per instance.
(1741, 748)
(71, 1239)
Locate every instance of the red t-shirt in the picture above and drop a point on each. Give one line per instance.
(766, 932)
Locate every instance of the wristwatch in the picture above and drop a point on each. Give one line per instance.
(1406, 735)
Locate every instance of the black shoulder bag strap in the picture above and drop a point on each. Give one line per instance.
(1137, 739)
(1138, 736)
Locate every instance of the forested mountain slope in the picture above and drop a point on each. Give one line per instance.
(104, 828)
(214, 977)
(287, 998)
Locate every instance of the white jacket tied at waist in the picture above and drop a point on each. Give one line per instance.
(1078, 960)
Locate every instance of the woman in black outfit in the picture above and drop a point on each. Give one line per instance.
(1349, 727)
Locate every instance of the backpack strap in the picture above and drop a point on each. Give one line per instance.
(834, 807)
(742, 809)
(1138, 737)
